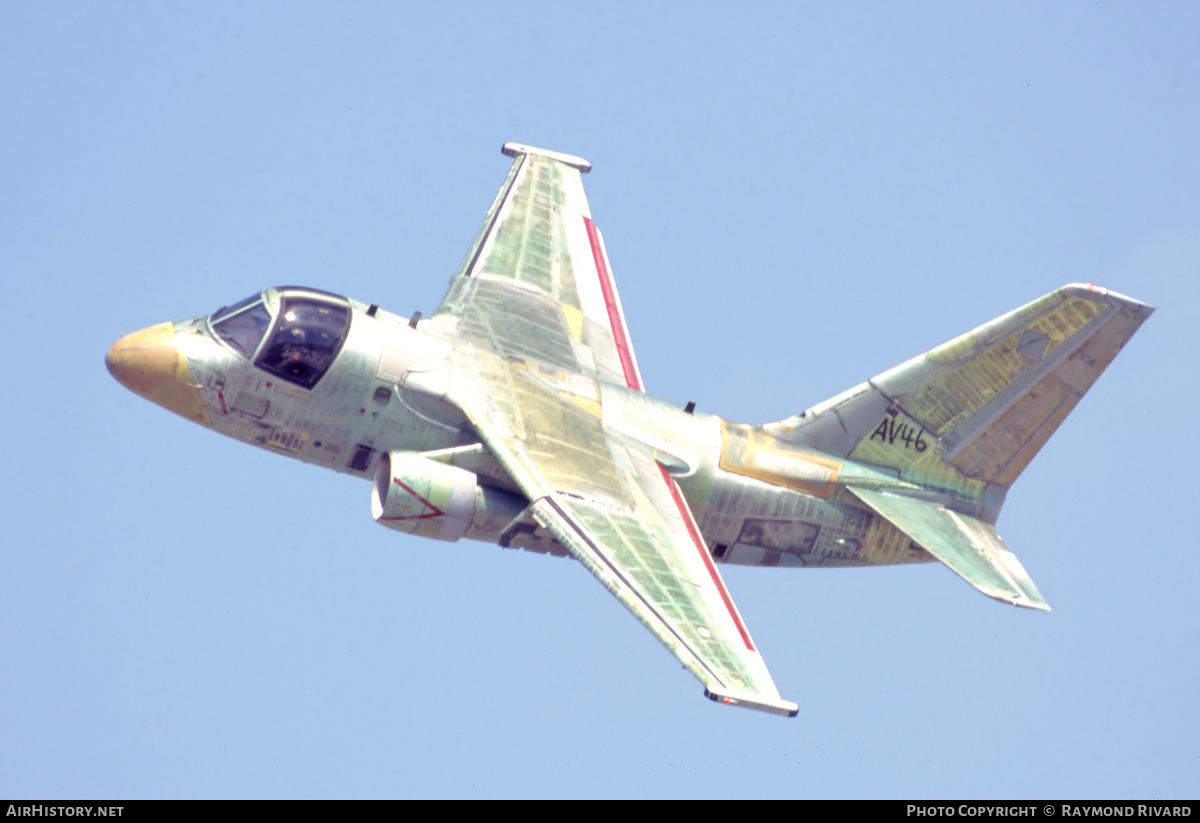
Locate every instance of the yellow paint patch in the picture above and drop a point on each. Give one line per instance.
(286, 440)
(290, 392)
(755, 454)
(574, 321)
(589, 405)
(984, 367)
(960, 348)
(148, 363)
(1067, 319)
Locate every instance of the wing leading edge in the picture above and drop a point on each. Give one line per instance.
(538, 322)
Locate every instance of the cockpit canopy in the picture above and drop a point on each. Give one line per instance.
(242, 325)
(304, 330)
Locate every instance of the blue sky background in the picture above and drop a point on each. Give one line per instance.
(794, 197)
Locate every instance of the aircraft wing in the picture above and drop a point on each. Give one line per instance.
(538, 239)
(538, 319)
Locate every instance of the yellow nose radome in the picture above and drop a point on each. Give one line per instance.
(149, 363)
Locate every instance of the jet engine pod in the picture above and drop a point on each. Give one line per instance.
(420, 496)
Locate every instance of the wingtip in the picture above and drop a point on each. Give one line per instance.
(783, 708)
(517, 149)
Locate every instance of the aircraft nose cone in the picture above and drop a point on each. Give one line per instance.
(149, 363)
(144, 360)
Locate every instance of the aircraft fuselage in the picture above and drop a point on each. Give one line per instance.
(756, 500)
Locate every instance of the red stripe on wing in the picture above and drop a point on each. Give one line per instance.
(694, 532)
(620, 334)
(634, 381)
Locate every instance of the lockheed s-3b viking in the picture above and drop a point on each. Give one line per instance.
(516, 415)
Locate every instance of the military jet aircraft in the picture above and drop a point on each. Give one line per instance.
(516, 415)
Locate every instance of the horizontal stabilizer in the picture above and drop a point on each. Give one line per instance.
(970, 547)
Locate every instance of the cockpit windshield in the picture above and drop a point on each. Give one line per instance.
(307, 337)
(223, 312)
(243, 325)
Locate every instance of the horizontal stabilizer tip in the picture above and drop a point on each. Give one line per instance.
(516, 149)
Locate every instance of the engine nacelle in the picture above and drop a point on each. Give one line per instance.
(420, 496)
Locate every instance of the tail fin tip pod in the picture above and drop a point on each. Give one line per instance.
(983, 403)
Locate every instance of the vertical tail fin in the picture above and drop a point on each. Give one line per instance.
(970, 415)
